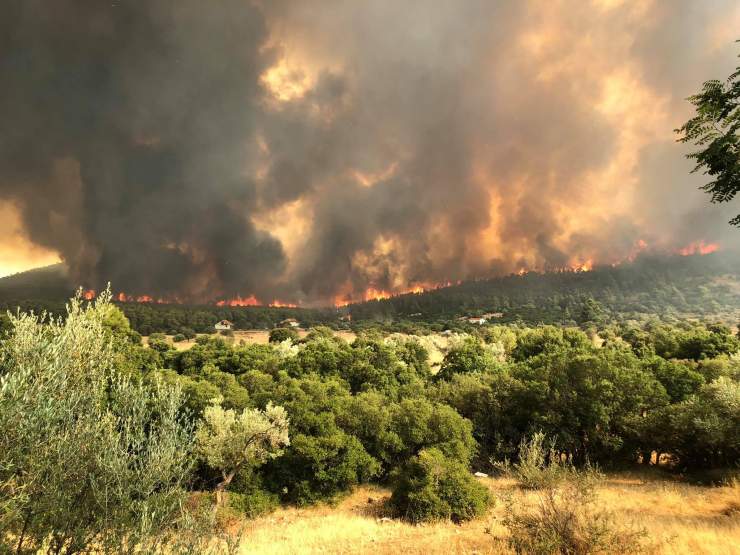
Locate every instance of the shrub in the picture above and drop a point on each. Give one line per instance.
(566, 520)
(278, 335)
(469, 356)
(321, 468)
(538, 465)
(421, 424)
(178, 338)
(431, 487)
(254, 502)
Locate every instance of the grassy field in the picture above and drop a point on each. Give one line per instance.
(253, 336)
(678, 518)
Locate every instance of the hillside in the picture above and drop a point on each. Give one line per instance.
(47, 283)
(660, 286)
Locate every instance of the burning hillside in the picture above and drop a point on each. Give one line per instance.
(695, 249)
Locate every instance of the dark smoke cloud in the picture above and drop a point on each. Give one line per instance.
(129, 124)
(429, 141)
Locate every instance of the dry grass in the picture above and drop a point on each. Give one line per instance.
(249, 337)
(678, 519)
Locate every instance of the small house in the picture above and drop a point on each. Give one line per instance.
(290, 323)
(223, 325)
(477, 320)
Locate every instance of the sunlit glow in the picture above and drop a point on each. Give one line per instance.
(17, 252)
(369, 179)
(286, 81)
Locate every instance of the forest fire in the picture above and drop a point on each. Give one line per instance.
(240, 301)
(281, 304)
(253, 301)
(699, 247)
(375, 293)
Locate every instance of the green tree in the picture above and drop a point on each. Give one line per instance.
(278, 335)
(704, 430)
(89, 456)
(228, 441)
(469, 356)
(433, 487)
(714, 130)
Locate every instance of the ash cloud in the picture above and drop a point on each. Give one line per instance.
(150, 108)
(427, 140)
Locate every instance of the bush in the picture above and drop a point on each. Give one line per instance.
(538, 465)
(469, 356)
(566, 520)
(431, 487)
(321, 468)
(278, 335)
(178, 338)
(254, 502)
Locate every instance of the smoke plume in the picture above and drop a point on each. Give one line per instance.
(310, 151)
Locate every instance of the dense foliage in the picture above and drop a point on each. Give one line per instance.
(715, 129)
(300, 421)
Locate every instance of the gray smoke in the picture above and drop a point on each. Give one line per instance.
(142, 143)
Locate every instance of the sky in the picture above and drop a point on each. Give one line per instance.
(326, 151)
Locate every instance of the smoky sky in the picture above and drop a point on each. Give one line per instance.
(308, 151)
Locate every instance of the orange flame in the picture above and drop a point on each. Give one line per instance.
(281, 304)
(586, 266)
(375, 294)
(240, 301)
(89, 294)
(698, 247)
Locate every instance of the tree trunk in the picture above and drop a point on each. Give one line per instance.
(221, 487)
(22, 537)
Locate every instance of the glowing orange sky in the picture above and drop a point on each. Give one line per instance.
(17, 253)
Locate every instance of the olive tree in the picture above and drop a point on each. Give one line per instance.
(228, 441)
(89, 455)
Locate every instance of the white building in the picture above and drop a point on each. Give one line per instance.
(290, 323)
(492, 315)
(223, 325)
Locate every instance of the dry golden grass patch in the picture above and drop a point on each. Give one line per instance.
(249, 337)
(677, 518)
